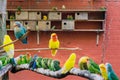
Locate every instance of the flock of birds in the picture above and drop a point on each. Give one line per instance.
(85, 63)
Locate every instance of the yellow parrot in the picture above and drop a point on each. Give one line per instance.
(103, 71)
(54, 43)
(45, 17)
(69, 64)
(10, 48)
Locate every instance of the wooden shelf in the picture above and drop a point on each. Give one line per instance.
(53, 20)
(91, 20)
(62, 10)
(83, 20)
(89, 30)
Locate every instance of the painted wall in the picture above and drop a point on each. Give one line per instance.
(109, 41)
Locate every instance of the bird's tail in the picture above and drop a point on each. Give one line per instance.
(53, 52)
(24, 41)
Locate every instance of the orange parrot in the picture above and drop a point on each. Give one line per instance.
(54, 43)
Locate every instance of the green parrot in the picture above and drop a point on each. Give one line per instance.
(5, 60)
(25, 58)
(49, 63)
(83, 63)
(28, 57)
(38, 62)
(44, 63)
(55, 65)
(21, 60)
(93, 67)
(111, 74)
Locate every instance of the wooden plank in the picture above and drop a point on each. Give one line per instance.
(72, 10)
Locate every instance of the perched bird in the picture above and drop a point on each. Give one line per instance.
(44, 63)
(28, 57)
(93, 67)
(54, 43)
(83, 63)
(22, 59)
(103, 71)
(69, 64)
(10, 48)
(111, 74)
(55, 65)
(49, 63)
(33, 64)
(4, 60)
(39, 62)
(19, 31)
(45, 17)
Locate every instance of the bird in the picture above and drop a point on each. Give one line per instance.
(38, 62)
(69, 64)
(45, 17)
(55, 65)
(93, 67)
(44, 63)
(54, 43)
(22, 59)
(33, 64)
(19, 31)
(103, 71)
(9, 49)
(28, 57)
(4, 60)
(111, 74)
(83, 63)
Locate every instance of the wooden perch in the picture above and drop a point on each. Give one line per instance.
(38, 49)
(16, 39)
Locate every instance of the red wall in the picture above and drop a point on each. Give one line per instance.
(110, 40)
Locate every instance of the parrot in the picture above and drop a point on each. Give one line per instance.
(22, 59)
(38, 62)
(54, 43)
(18, 60)
(49, 63)
(10, 48)
(111, 74)
(103, 71)
(19, 31)
(27, 57)
(83, 63)
(4, 60)
(44, 63)
(55, 65)
(33, 64)
(45, 17)
(93, 67)
(69, 64)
